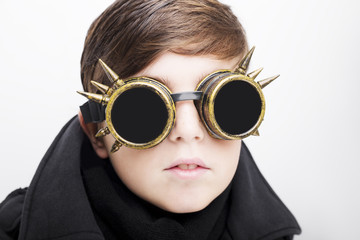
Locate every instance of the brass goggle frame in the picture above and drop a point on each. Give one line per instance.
(204, 97)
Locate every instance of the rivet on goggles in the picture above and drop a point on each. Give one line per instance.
(140, 111)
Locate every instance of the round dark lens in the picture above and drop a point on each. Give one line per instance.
(139, 115)
(237, 107)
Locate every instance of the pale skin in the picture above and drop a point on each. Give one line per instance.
(146, 172)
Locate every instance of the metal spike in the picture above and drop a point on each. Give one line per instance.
(102, 99)
(101, 87)
(118, 84)
(116, 146)
(267, 81)
(256, 133)
(112, 76)
(244, 63)
(102, 132)
(255, 73)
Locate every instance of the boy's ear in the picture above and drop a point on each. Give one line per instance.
(90, 129)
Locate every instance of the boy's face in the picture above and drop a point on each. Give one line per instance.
(189, 169)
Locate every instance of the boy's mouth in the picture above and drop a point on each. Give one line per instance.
(188, 168)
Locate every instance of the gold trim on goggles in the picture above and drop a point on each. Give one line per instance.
(209, 86)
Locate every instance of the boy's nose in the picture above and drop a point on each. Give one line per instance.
(188, 126)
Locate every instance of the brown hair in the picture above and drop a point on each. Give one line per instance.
(130, 34)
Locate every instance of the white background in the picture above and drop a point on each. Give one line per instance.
(308, 149)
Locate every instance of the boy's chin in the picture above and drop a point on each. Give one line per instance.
(185, 206)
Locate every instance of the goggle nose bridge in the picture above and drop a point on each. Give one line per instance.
(185, 96)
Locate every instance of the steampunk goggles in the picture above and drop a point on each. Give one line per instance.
(140, 111)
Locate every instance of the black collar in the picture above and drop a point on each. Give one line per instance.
(56, 205)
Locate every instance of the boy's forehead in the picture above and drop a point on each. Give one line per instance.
(168, 64)
(171, 68)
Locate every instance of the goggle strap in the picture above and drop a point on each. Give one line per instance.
(184, 96)
(93, 112)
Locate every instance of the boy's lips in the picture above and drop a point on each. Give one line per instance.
(188, 168)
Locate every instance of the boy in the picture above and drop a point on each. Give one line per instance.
(126, 167)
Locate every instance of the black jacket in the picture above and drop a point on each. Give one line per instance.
(55, 206)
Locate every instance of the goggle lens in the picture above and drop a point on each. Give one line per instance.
(139, 115)
(237, 107)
